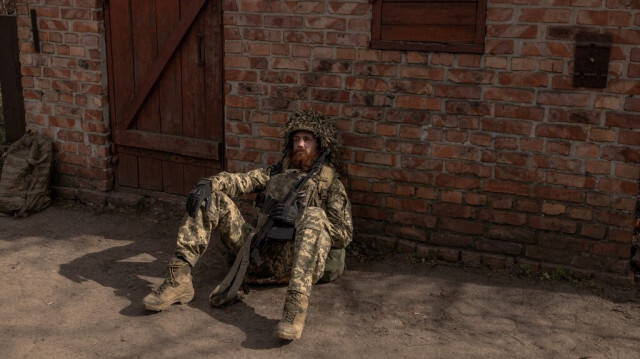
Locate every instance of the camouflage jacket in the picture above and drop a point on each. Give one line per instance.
(331, 197)
(278, 256)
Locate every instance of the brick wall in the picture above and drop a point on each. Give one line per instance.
(479, 158)
(491, 159)
(65, 87)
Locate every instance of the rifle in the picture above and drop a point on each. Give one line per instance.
(226, 291)
(261, 239)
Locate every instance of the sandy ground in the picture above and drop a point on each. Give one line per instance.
(73, 278)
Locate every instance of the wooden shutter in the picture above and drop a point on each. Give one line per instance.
(429, 25)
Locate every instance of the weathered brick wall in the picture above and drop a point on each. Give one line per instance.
(65, 87)
(486, 158)
(480, 158)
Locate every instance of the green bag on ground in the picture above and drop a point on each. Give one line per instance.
(26, 175)
(334, 265)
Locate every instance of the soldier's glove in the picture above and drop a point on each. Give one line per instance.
(285, 213)
(201, 192)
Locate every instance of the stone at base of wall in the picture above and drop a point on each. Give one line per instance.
(117, 198)
(500, 262)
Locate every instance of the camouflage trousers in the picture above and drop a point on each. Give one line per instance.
(301, 262)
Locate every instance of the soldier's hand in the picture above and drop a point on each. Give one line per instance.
(286, 213)
(201, 192)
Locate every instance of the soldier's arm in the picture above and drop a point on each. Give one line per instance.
(339, 215)
(237, 184)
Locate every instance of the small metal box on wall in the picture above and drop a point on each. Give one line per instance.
(592, 60)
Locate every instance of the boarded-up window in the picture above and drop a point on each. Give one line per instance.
(429, 25)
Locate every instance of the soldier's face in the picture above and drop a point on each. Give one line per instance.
(305, 142)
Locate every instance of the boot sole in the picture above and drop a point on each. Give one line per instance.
(287, 336)
(183, 299)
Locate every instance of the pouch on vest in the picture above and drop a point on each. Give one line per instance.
(334, 265)
(26, 174)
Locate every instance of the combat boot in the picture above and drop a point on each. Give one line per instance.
(293, 316)
(177, 287)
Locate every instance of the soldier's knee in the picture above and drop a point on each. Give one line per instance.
(311, 218)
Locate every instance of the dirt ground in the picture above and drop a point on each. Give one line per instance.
(74, 275)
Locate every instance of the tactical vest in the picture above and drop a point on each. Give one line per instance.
(278, 254)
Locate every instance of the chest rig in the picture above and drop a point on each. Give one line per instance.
(313, 193)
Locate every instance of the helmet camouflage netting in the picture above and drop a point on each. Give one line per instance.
(315, 122)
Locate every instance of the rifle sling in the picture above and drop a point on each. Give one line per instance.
(226, 291)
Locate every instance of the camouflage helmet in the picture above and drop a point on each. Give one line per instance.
(315, 122)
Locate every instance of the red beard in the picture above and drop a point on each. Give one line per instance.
(303, 160)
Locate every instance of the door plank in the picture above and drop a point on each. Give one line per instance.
(154, 69)
(192, 174)
(172, 177)
(121, 46)
(127, 172)
(193, 82)
(145, 49)
(213, 71)
(150, 173)
(168, 143)
(169, 84)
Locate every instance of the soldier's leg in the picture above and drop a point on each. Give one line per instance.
(193, 239)
(312, 244)
(195, 233)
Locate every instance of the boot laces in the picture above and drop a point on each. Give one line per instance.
(169, 281)
(292, 307)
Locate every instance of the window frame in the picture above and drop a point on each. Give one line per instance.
(476, 47)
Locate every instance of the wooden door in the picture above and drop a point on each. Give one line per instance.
(165, 77)
(10, 83)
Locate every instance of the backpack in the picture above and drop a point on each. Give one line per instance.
(26, 175)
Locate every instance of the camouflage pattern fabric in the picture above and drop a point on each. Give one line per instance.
(26, 175)
(320, 225)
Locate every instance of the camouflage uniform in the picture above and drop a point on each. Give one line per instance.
(323, 223)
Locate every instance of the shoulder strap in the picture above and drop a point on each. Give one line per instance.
(326, 176)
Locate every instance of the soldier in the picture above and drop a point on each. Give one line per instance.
(309, 239)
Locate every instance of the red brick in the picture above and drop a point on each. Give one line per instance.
(611, 249)
(562, 131)
(503, 217)
(624, 170)
(348, 8)
(623, 120)
(260, 6)
(452, 240)
(618, 219)
(604, 18)
(408, 176)
(359, 170)
(624, 87)
(620, 236)
(549, 49)
(507, 187)
(457, 152)
(558, 194)
(423, 73)
(461, 226)
(471, 76)
(560, 16)
(608, 185)
(508, 94)
(366, 84)
(507, 126)
(624, 154)
(513, 31)
(570, 180)
(522, 79)
(418, 102)
(375, 158)
(494, 246)
(499, 14)
(515, 173)
(499, 47)
(553, 224)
